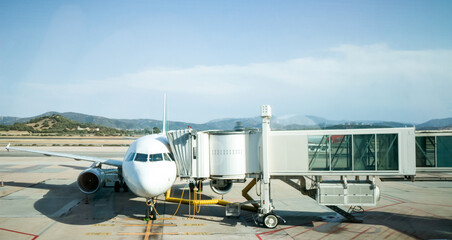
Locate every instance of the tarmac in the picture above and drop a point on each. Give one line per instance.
(40, 199)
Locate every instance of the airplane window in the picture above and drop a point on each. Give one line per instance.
(130, 157)
(166, 157)
(155, 157)
(141, 157)
(171, 156)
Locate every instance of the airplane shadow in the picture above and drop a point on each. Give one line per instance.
(65, 203)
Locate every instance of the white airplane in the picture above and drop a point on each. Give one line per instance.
(147, 169)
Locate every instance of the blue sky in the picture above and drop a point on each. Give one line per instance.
(355, 60)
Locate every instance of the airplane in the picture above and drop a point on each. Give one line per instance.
(148, 168)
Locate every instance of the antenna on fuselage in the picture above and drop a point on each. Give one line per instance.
(164, 114)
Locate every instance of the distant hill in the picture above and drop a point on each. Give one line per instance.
(290, 122)
(435, 124)
(131, 124)
(60, 125)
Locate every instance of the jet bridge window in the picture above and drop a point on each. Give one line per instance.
(319, 152)
(387, 152)
(341, 152)
(425, 151)
(140, 157)
(444, 154)
(360, 152)
(155, 157)
(364, 152)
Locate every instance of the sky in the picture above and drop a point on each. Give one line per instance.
(340, 60)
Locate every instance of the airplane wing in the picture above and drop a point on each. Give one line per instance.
(116, 163)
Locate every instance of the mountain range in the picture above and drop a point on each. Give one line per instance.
(290, 122)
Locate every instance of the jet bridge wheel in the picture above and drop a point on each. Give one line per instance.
(270, 220)
(191, 186)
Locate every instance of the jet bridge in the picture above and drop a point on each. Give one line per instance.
(327, 158)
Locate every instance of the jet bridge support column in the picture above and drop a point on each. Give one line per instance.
(265, 211)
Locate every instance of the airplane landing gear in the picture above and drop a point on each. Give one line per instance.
(150, 211)
(118, 186)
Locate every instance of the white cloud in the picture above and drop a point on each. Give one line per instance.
(345, 81)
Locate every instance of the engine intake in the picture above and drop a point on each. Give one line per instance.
(220, 186)
(91, 180)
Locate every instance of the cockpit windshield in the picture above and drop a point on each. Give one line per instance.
(155, 157)
(141, 157)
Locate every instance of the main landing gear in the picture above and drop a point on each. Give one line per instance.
(150, 211)
(118, 186)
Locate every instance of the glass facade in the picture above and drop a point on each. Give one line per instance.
(364, 152)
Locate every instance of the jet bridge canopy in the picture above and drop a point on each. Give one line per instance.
(372, 152)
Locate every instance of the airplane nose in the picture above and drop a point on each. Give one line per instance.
(150, 179)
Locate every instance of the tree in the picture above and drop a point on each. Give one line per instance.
(156, 130)
(45, 123)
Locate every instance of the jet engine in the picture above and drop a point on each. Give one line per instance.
(220, 186)
(91, 180)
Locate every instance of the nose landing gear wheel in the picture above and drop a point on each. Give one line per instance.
(270, 220)
(150, 211)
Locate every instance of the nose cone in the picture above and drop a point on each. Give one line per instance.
(149, 179)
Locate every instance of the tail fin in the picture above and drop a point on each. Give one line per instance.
(164, 129)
